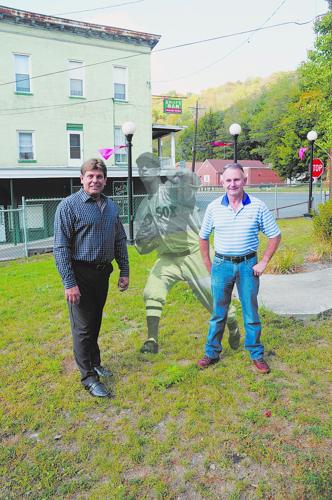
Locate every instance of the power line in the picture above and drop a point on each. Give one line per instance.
(98, 8)
(224, 56)
(33, 109)
(187, 44)
(230, 35)
(70, 69)
(23, 111)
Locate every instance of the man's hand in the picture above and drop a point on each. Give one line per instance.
(73, 295)
(123, 283)
(272, 246)
(259, 268)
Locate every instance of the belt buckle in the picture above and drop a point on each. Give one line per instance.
(237, 260)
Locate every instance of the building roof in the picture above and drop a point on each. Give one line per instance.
(219, 165)
(35, 20)
(163, 130)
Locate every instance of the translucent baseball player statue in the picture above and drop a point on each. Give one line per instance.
(167, 221)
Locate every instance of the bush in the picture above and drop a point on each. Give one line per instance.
(323, 222)
(285, 261)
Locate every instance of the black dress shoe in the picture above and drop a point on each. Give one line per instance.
(96, 388)
(102, 372)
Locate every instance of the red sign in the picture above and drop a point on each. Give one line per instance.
(317, 167)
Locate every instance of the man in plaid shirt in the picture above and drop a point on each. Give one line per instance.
(88, 236)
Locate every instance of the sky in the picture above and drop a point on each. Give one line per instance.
(210, 64)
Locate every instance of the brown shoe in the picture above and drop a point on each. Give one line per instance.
(205, 362)
(261, 365)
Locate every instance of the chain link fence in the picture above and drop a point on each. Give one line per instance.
(28, 229)
(285, 201)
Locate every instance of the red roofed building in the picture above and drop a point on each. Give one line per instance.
(210, 172)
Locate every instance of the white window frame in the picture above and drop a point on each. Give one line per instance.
(125, 83)
(29, 73)
(121, 156)
(76, 74)
(206, 178)
(75, 162)
(32, 132)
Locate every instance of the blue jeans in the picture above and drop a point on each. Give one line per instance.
(224, 275)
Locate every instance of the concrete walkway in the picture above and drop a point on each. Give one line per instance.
(302, 295)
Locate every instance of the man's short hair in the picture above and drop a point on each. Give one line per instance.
(148, 160)
(234, 165)
(94, 164)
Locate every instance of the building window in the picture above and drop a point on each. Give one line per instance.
(120, 140)
(120, 83)
(75, 148)
(206, 178)
(25, 146)
(76, 79)
(22, 73)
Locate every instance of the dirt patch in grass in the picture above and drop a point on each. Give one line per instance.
(69, 365)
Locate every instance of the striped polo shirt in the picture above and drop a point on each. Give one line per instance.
(236, 233)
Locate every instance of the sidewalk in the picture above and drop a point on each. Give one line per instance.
(302, 295)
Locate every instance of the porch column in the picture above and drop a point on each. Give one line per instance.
(160, 147)
(173, 149)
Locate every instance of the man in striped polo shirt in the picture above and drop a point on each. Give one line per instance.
(236, 219)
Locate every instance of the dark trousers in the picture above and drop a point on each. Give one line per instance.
(86, 317)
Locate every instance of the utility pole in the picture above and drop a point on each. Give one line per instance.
(196, 108)
(195, 139)
(329, 172)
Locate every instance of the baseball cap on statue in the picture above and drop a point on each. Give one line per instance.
(148, 161)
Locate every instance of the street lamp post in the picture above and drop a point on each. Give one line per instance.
(235, 131)
(311, 136)
(128, 129)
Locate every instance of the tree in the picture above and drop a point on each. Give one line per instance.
(210, 128)
(315, 81)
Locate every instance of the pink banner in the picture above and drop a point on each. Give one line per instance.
(106, 153)
(302, 152)
(216, 144)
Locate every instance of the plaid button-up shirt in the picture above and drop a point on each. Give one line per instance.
(89, 232)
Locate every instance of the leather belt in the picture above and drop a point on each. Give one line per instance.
(236, 259)
(93, 265)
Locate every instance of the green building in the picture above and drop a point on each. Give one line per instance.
(66, 88)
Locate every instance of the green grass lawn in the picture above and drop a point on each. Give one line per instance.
(171, 431)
